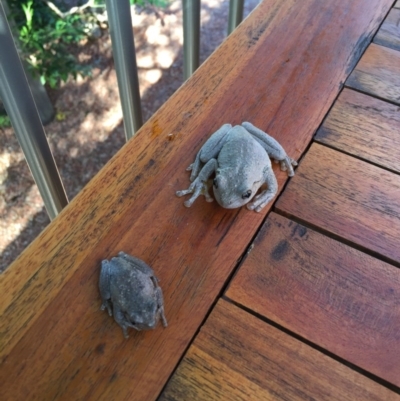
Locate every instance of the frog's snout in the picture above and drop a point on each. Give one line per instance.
(228, 201)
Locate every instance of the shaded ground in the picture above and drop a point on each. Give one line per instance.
(88, 129)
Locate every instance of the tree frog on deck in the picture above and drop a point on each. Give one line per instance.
(240, 158)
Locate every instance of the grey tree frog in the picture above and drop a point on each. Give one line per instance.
(240, 158)
(130, 291)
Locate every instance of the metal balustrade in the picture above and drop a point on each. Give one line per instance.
(20, 106)
(235, 14)
(191, 36)
(123, 45)
(19, 103)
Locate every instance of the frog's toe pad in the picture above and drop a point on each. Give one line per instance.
(183, 192)
(189, 202)
(250, 206)
(106, 305)
(287, 164)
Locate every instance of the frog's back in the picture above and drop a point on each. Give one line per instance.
(242, 147)
(132, 290)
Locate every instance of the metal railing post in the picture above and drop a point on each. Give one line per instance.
(235, 14)
(40, 96)
(20, 106)
(123, 45)
(191, 36)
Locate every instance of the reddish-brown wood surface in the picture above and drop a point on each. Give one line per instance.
(329, 293)
(274, 71)
(389, 33)
(378, 73)
(239, 357)
(364, 126)
(347, 197)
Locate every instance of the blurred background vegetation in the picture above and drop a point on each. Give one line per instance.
(49, 33)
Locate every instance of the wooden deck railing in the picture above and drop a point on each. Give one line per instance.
(281, 69)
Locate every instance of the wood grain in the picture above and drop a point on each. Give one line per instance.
(389, 33)
(54, 342)
(378, 73)
(347, 197)
(329, 293)
(238, 357)
(365, 127)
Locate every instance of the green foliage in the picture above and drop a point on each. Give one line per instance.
(156, 3)
(46, 39)
(4, 121)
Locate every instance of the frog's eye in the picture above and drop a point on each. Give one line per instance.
(215, 183)
(247, 194)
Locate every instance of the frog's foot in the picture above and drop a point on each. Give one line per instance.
(260, 201)
(106, 304)
(266, 196)
(124, 325)
(120, 318)
(199, 182)
(125, 331)
(160, 303)
(287, 164)
(195, 168)
(197, 188)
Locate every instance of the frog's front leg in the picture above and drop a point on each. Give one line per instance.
(207, 155)
(120, 318)
(199, 185)
(266, 196)
(209, 150)
(273, 148)
(160, 304)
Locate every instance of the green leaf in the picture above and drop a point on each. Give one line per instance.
(4, 121)
(46, 40)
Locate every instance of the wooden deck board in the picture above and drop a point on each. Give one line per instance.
(329, 293)
(55, 343)
(365, 127)
(389, 33)
(239, 357)
(378, 73)
(350, 198)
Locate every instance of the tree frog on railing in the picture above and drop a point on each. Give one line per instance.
(240, 158)
(130, 291)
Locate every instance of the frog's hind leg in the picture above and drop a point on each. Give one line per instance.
(209, 150)
(261, 200)
(273, 148)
